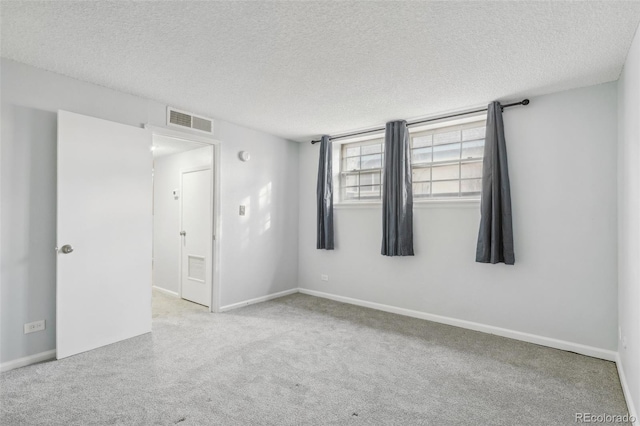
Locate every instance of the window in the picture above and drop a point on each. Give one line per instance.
(361, 170)
(446, 163)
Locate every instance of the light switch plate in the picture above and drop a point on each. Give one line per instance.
(242, 210)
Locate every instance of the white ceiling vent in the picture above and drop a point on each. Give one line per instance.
(186, 119)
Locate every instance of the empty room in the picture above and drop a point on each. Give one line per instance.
(319, 212)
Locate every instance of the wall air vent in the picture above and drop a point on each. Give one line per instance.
(183, 119)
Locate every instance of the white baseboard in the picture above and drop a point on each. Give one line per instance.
(27, 360)
(165, 291)
(258, 300)
(504, 332)
(625, 390)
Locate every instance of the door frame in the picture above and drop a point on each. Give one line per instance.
(214, 305)
(210, 247)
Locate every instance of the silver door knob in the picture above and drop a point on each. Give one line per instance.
(66, 249)
(183, 233)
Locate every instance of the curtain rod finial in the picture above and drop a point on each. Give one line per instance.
(525, 102)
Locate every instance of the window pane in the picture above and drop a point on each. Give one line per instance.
(472, 134)
(446, 152)
(421, 174)
(422, 155)
(349, 193)
(445, 165)
(371, 161)
(371, 149)
(471, 187)
(420, 141)
(472, 170)
(445, 188)
(354, 150)
(370, 178)
(446, 172)
(448, 137)
(350, 180)
(370, 192)
(473, 149)
(421, 190)
(352, 164)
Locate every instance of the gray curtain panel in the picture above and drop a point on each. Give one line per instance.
(397, 193)
(495, 239)
(325, 197)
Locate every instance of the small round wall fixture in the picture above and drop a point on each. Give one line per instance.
(244, 156)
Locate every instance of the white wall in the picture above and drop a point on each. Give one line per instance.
(259, 251)
(562, 158)
(27, 229)
(629, 220)
(166, 213)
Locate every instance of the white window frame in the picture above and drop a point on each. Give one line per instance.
(463, 201)
(343, 173)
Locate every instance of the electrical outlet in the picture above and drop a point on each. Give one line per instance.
(324, 277)
(32, 327)
(624, 342)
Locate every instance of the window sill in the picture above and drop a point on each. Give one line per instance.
(423, 204)
(357, 205)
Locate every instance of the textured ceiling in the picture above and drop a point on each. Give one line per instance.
(300, 69)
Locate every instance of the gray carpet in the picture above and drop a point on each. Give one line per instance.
(301, 360)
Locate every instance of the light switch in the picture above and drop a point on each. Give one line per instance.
(242, 210)
(176, 194)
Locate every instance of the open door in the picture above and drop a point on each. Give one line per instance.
(104, 233)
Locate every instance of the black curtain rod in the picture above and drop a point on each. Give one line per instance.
(523, 102)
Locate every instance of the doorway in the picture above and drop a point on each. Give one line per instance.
(183, 218)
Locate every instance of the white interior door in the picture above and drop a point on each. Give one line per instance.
(104, 217)
(196, 238)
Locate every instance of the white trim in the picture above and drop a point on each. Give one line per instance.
(27, 360)
(216, 229)
(258, 300)
(437, 203)
(625, 390)
(165, 291)
(441, 203)
(216, 211)
(504, 332)
(358, 205)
